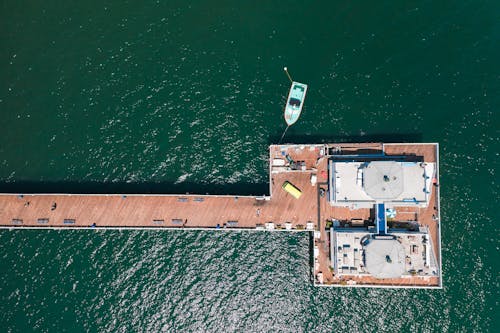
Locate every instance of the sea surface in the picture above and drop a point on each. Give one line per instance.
(176, 96)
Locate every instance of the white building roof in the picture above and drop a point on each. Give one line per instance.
(365, 254)
(385, 258)
(383, 180)
(364, 183)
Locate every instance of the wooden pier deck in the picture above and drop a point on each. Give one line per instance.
(231, 212)
(174, 211)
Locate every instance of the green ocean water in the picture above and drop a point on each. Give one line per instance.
(176, 96)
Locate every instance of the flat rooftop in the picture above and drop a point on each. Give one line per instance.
(400, 255)
(394, 182)
(305, 166)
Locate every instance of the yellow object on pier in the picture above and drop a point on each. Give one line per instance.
(290, 188)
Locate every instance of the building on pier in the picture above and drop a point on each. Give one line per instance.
(392, 243)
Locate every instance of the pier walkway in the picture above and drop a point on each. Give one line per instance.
(305, 166)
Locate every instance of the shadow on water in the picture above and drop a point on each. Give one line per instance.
(311, 139)
(311, 256)
(95, 187)
(73, 187)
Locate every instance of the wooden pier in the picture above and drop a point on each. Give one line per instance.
(276, 211)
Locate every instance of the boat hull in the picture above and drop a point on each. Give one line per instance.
(295, 102)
